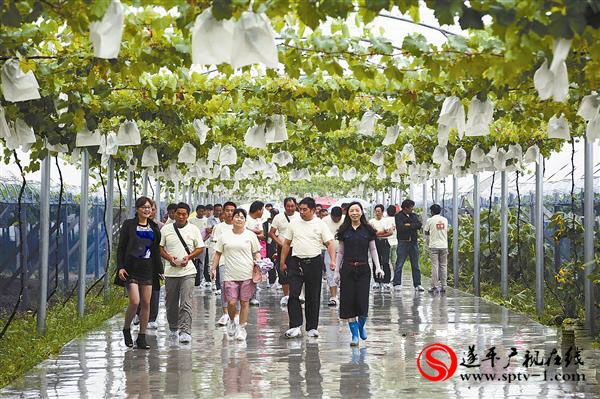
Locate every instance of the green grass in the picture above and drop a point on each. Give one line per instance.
(22, 348)
(521, 300)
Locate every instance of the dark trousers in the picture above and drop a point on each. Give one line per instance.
(218, 278)
(283, 276)
(310, 273)
(206, 267)
(408, 249)
(199, 263)
(383, 251)
(271, 252)
(154, 300)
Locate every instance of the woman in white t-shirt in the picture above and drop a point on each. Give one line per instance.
(241, 249)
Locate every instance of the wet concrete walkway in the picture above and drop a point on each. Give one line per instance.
(98, 365)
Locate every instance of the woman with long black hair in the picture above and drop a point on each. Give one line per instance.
(139, 266)
(357, 239)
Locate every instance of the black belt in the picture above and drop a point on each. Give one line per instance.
(355, 264)
(307, 260)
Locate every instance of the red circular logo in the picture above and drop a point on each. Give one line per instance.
(441, 371)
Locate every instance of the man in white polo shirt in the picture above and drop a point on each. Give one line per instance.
(306, 237)
(279, 227)
(436, 233)
(225, 226)
(254, 224)
(199, 221)
(180, 242)
(384, 228)
(333, 223)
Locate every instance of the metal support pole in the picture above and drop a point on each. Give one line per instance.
(110, 188)
(157, 198)
(44, 244)
(145, 182)
(129, 199)
(455, 229)
(97, 229)
(411, 191)
(24, 226)
(588, 236)
(190, 193)
(424, 211)
(476, 234)
(83, 230)
(539, 236)
(66, 249)
(504, 235)
(436, 191)
(177, 194)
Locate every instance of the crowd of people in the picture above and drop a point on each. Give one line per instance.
(219, 247)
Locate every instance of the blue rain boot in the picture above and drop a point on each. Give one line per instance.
(354, 330)
(361, 327)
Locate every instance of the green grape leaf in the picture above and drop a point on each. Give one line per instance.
(504, 16)
(471, 19)
(308, 13)
(336, 8)
(416, 44)
(11, 17)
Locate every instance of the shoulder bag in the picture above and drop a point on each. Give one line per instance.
(196, 262)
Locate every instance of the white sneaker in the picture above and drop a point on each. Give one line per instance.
(223, 320)
(258, 288)
(268, 285)
(173, 335)
(254, 302)
(185, 338)
(240, 334)
(231, 328)
(376, 286)
(313, 333)
(136, 320)
(398, 288)
(152, 325)
(207, 284)
(419, 288)
(284, 301)
(293, 332)
(213, 286)
(218, 292)
(388, 286)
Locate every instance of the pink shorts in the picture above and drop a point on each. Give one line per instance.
(242, 290)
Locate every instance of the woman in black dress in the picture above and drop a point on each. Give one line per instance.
(357, 240)
(139, 266)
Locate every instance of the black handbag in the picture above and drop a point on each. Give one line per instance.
(118, 281)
